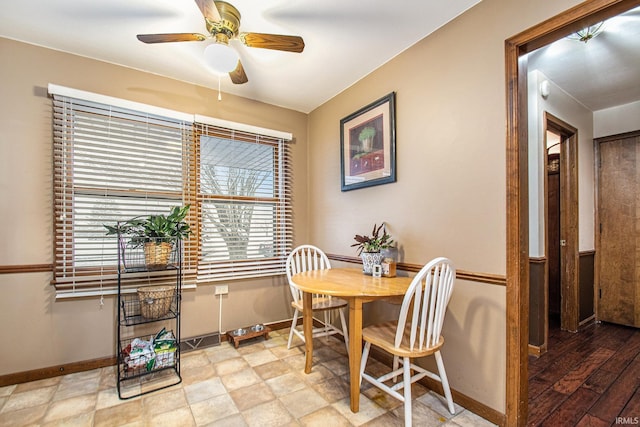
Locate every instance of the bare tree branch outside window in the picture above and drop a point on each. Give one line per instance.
(233, 220)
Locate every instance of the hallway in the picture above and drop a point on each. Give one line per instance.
(590, 378)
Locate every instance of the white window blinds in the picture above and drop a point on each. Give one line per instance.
(114, 160)
(110, 164)
(244, 203)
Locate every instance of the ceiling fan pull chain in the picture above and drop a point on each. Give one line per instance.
(219, 93)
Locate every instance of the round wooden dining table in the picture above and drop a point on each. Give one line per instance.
(356, 288)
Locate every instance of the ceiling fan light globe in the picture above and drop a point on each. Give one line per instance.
(221, 58)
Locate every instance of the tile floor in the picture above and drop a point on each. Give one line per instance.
(259, 384)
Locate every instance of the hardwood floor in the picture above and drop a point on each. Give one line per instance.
(590, 378)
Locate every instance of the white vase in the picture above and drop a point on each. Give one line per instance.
(367, 145)
(369, 259)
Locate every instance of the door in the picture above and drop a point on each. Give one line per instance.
(562, 221)
(619, 238)
(554, 236)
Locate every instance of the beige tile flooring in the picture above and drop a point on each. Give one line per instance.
(261, 383)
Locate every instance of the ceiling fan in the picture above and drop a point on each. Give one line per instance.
(223, 24)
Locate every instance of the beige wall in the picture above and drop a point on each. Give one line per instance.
(449, 199)
(450, 195)
(40, 331)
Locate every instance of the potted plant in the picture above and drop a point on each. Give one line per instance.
(155, 234)
(370, 247)
(366, 138)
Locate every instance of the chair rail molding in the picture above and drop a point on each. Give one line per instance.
(26, 268)
(472, 276)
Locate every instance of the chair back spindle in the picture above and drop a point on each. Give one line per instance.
(424, 305)
(301, 259)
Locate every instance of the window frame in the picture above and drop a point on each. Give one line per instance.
(98, 280)
(232, 269)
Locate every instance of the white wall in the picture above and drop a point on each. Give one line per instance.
(536, 159)
(563, 106)
(616, 120)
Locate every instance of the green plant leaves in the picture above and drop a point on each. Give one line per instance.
(154, 228)
(375, 242)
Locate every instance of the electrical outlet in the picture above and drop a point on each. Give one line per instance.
(222, 289)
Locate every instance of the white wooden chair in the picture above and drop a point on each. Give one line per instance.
(416, 333)
(301, 259)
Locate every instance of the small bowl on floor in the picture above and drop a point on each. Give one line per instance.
(239, 332)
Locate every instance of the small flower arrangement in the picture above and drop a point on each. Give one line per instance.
(378, 240)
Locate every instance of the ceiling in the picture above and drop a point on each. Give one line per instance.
(344, 40)
(602, 73)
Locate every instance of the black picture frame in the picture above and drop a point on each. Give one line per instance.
(368, 145)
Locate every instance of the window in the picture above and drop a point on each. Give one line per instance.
(110, 164)
(114, 160)
(243, 195)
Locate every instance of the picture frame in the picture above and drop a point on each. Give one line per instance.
(368, 145)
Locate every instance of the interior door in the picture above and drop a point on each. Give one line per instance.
(619, 215)
(553, 236)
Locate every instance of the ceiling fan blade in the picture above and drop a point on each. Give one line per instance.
(238, 75)
(209, 10)
(273, 41)
(176, 37)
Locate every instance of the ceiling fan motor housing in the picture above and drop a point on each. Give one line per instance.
(229, 23)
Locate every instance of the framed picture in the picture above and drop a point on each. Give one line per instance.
(368, 145)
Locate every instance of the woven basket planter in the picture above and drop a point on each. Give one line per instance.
(157, 254)
(155, 301)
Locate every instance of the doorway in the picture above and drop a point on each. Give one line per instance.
(553, 232)
(561, 224)
(517, 292)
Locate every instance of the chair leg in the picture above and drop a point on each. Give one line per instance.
(294, 324)
(406, 365)
(444, 381)
(396, 363)
(327, 322)
(345, 330)
(365, 356)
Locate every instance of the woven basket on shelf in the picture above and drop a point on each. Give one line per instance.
(155, 301)
(157, 254)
